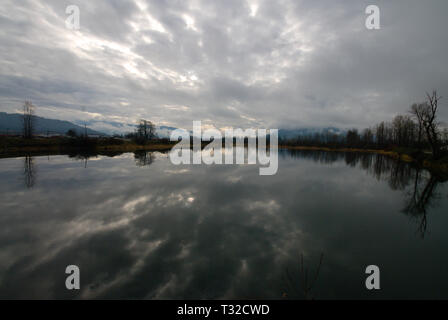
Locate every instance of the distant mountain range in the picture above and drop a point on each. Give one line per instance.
(282, 133)
(112, 127)
(294, 133)
(116, 127)
(12, 123)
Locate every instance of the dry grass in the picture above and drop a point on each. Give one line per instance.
(14, 147)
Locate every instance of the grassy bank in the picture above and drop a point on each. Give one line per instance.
(15, 146)
(419, 157)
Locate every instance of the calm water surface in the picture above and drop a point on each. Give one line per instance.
(139, 227)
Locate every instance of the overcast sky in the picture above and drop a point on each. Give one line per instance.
(272, 64)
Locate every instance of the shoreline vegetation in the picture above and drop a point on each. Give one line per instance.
(16, 146)
(11, 147)
(418, 157)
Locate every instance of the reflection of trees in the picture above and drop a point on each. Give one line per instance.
(380, 166)
(351, 158)
(315, 155)
(301, 288)
(29, 171)
(398, 174)
(84, 156)
(421, 198)
(144, 158)
(366, 161)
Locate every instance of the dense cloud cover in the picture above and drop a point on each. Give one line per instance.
(228, 63)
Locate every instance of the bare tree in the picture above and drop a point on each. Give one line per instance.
(417, 111)
(403, 130)
(367, 137)
(426, 115)
(430, 123)
(28, 120)
(380, 133)
(353, 138)
(146, 131)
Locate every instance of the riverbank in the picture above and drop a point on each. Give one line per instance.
(416, 156)
(17, 147)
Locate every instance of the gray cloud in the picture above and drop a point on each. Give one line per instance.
(234, 63)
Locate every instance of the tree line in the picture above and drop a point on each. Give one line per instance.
(419, 129)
